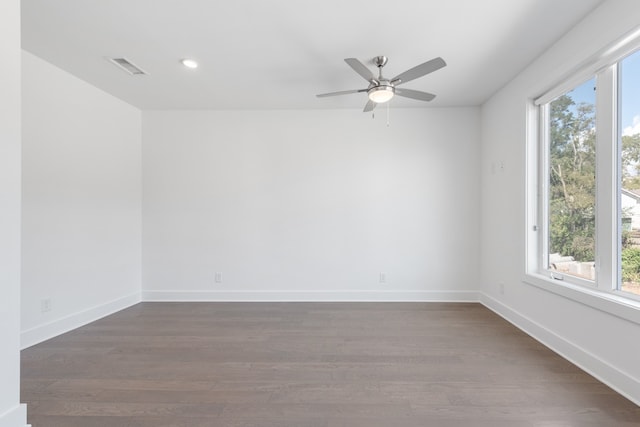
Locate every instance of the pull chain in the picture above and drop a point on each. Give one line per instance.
(388, 109)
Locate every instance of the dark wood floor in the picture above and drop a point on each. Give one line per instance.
(310, 365)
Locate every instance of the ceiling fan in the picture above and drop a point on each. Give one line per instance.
(381, 90)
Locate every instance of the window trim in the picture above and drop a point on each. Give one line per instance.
(609, 302)
(608, 227)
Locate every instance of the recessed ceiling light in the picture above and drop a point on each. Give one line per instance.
(189, 63)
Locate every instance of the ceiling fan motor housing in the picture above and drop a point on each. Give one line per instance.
(380, 90)
(381, 93)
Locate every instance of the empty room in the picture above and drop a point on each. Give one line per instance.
(320, 214)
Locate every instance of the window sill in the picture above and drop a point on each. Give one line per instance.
(616, 305)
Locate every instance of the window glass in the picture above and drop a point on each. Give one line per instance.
(571, 183)
(629, 212)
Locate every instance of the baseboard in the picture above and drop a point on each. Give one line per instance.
(14, 417)
(52, 329)
(286, 296)
(620, 381)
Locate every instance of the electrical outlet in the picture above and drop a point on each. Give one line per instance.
(218, 277)
(45, 305)
(383, 277)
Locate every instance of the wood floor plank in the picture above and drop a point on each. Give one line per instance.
(310, 365)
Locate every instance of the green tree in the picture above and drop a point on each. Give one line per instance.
(630, 264)
(630, 161)
(572, 178)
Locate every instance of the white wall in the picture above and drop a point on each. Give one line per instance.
(601, 343)
(310, 205)
(12, 414)
(81, 202)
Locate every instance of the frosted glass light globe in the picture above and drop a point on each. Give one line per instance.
(381, 94)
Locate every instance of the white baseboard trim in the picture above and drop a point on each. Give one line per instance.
(54, 328)
(620, 381)
(290, 296)
(15, 417)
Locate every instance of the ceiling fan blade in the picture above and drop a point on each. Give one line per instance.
(369, 107)
(342, 92)
(415, 94)
(360, 68)
(419, 71)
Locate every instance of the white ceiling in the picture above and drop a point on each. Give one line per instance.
(278, 54)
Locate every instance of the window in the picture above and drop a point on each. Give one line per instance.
(586, 191)
(629, 212)
(571, 184)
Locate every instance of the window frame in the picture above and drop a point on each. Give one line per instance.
(602, 293)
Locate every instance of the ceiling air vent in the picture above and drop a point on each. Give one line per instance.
(127, 66)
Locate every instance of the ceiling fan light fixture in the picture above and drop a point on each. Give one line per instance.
(381, 94)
